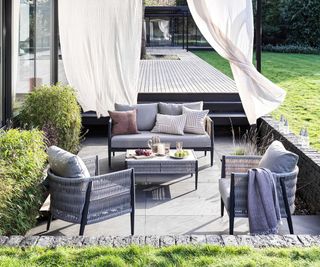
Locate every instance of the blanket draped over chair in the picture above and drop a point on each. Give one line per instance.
(263, 205)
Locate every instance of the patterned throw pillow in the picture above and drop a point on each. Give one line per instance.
(170, 124)
(195, 120)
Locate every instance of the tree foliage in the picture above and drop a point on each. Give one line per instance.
(291, 22)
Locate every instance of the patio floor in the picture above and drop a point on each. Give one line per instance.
(173, 206)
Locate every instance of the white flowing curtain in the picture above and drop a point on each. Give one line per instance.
(228, 27)
(164, 26)
(100, 45)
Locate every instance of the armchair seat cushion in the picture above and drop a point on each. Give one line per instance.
(224, 189)
(141, 140)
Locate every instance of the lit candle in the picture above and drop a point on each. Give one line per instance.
(161, 149)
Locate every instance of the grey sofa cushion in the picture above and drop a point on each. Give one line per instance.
(176, 109)
(141, 140)
(170, 124)
(146, 114)
(279, 160)
(65, 164)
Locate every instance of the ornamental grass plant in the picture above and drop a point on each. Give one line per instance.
(55, 110)
(22, 161)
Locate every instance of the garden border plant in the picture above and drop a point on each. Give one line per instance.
(22, 162)
(55, 110)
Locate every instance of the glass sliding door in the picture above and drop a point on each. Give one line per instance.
(34, 46)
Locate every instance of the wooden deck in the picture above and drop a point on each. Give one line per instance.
(190, 74)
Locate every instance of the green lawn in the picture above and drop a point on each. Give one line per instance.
(299, 75)
(166, 257)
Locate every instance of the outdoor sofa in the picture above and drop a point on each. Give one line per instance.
(146, 119)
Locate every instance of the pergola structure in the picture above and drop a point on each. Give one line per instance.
(6, 25)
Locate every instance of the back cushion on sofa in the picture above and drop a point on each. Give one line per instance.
(176, 109)
(279, 160)
(146, 114)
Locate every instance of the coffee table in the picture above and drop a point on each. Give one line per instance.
(164, 165)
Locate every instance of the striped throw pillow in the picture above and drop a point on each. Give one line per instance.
(195, 120)
(170, 124)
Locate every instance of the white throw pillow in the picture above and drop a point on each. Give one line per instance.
(170, 124)
(195, 120)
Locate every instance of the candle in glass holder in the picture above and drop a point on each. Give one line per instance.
(161, 149)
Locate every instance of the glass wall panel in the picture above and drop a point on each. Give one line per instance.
(43, 42)
(27, 48)
(34, 43)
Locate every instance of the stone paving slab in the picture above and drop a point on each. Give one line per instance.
(257, 241)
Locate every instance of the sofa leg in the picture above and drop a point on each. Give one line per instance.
(113, 154)
(205, 153)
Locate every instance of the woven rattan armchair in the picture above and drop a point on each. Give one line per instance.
(91, 200)
(233, 188)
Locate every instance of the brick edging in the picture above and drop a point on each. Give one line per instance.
(258, 241)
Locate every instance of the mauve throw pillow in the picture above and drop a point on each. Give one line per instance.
(146, 114)
(124, 122)
(279, 160)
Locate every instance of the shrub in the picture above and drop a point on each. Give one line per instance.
(54, 109)
(298, 49)
(22, 161)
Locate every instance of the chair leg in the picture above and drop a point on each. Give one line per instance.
(222, 207)
(132, 222)
(289, 220)
(113, 154)
(286, 204)
(109, 158)
(82, 227)
(211, 158)
(231, 224)
(205, 153)
(49, 221)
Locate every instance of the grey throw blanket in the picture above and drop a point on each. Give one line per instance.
(263, 205)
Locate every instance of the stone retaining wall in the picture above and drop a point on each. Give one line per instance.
(309, 163)
(162, 241)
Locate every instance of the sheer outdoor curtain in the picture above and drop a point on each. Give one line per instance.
(164, 26)
(228, 27)
(100, 45)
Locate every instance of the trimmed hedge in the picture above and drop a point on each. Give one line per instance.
(55, 110)
(297, 49)
(22, 161)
